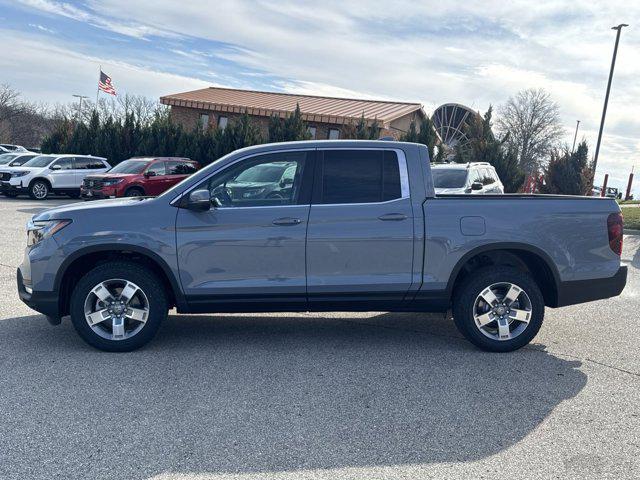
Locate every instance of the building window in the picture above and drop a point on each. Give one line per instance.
(334, 134)
(204, 121)
(312, 132)
(222, 122)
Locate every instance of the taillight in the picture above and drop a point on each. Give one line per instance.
(615, 227)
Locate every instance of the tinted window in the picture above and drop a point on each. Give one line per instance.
(38, 162)
(359, 176)
(130, 166)
(449, 178)
(85, 163)
(64, 163)
(259, 181)
(7, 157)
(180, 168)
(487, 177)
(156, 169)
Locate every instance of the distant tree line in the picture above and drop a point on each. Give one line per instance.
(526, 142)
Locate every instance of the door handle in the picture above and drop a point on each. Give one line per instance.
(287, 221)
(392, 217)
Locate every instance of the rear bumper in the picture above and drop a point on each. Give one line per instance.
(43, 302)
(571, 293)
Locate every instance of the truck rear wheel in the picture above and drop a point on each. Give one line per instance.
(498, 309)
(118, 307)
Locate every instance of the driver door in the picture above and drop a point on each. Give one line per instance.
(248, 247)
(63, 174)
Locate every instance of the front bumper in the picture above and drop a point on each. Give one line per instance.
(92, 194)
(46, 303)
(580, 291)
(6, 187)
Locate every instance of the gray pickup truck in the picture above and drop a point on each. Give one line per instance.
(358, 228)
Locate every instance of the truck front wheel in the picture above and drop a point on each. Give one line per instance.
(499, 309)
(119, 306)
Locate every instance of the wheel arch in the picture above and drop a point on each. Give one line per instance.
(83, 260)
(44, 179)
(522, 256)
(134, 186)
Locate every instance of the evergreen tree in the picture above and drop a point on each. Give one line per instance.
(482, 146)
(426, 135)
(568, 173)
(290, 129)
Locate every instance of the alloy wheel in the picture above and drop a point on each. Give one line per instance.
(502, 311)
(40, 190)
(116, 309)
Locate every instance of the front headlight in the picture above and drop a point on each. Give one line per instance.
(40, 229)
(112, 181)
(20, 174)
(253, 193)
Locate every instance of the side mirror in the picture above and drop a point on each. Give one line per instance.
(199, 200)
(476, 186)
(55, 167)
(149, 174)
(285, 182)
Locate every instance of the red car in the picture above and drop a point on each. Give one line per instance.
(137, 177)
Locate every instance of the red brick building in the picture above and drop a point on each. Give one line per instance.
(325, 116)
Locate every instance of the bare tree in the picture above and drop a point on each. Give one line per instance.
(530, 122)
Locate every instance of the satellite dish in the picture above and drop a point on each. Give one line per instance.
(449, 121)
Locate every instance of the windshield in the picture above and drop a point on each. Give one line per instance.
(7, 157)
(452, 178)
(41, 161)
(130, 166)
(265, 173)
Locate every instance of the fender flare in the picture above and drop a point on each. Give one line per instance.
(181, 302)
(504, 246)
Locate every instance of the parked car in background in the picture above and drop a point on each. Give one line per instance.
(9, 148)
(267, 180)
(45, 174)
(138, 177)
(361, 229)
(466, 178)
(16, 159)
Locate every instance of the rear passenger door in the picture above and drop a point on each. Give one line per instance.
(178, 171)
(85, 166)
(360, 233)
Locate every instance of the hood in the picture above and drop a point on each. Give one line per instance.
(4, 168)
(101, 176)
(97, 206)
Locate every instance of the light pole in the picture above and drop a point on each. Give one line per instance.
(575, 136)
(606, 97)
(80, 98)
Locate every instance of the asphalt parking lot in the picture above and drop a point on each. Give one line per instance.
(297, 396)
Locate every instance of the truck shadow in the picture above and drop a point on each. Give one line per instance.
(249, 393)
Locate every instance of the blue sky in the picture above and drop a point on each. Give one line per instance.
(474, 52)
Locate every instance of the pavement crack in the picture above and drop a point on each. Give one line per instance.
(7, 266)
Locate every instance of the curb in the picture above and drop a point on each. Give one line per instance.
(629, 231)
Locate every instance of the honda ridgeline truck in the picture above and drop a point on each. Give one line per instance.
(358, 228)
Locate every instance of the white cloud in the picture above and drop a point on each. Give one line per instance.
(474, 52)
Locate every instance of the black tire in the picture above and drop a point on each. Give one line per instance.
(465, 296)
(134, 192)
(148, 282)
(38, 186)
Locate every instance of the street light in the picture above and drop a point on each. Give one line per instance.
(606, 98)
(575, 136)
(80, 97)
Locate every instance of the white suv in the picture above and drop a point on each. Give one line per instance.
(46, 174)
(465, 178)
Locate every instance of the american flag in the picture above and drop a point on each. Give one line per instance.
(104, 84)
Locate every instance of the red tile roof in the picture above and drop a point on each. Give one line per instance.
(313, 108)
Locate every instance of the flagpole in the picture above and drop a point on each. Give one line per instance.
(98, 89)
